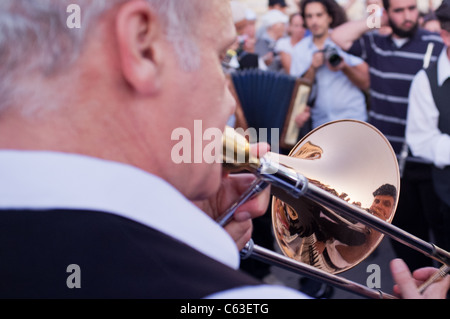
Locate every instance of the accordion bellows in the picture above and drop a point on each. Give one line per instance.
(271, 100)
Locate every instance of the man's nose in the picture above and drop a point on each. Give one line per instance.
(408, 15)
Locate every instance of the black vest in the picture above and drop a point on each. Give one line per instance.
(117, 258)
(441, 96)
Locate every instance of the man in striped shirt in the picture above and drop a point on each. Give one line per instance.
(394, 60)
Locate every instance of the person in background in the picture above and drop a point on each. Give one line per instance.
(275, 26)
(338, 77)
(431, 23)
(250, 30)
(428, 126)
(242, 53)
(285, 46)
(272, 5)
(278, 5)
(394, 60)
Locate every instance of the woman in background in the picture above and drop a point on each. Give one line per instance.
(285, 46)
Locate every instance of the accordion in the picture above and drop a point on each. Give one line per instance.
(271, 101)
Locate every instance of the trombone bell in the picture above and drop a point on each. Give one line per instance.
(353, 161)
(335, 196)
(347, 159)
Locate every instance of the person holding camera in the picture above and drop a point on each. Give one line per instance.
(339, 78)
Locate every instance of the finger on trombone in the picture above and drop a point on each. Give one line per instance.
(439, 275)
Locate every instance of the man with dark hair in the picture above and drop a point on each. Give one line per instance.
(428, 126)
(334, 10)
(386, 189)
(394, 60)
(277, 4)
(384, 201)
(338, 77)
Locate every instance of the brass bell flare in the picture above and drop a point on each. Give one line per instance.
(348, 159)
(334, 198)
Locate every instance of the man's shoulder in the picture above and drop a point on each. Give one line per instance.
(372, 41)
(424, 40)
(118, 258)
(428, 36)
(376, 36)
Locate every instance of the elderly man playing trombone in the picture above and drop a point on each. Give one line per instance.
(91, 203)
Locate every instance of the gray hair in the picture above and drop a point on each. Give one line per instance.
(35, 38)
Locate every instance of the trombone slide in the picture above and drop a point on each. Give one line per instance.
(329, 155)
(265, 255)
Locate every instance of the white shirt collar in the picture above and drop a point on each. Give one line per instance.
(48, 180)
(399, 42)
(444, 67)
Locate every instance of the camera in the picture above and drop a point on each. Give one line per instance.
(332, 56)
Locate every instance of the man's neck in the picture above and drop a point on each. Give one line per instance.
(319, 41)
(397, 37)
(399, 42)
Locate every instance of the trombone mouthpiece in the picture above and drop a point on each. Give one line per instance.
(236, 152)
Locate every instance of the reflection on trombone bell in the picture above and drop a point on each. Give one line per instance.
(329, 211)
(330, 158)
(331, 242)
(384, 201)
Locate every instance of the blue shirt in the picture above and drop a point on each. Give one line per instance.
(392, 70)
(337, 97)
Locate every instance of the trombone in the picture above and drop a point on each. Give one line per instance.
(334, 198)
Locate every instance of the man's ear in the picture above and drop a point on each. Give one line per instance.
(330, 20)
(138, 33)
